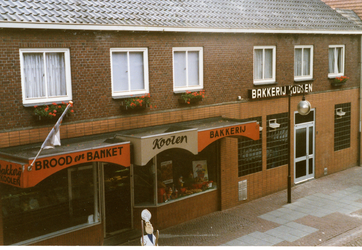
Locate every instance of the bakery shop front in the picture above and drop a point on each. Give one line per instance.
(94, 187)
(176, 167)
(79, 188)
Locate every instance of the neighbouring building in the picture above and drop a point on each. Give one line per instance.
(180, 107)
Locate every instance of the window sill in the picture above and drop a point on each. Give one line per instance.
(265, 83)
(46, 103)
(334, 76)
(304, 80)
(129, 96)
(187, 90)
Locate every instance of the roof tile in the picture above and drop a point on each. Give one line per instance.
(238, 14)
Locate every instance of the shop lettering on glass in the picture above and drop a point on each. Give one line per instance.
(172, 140)
(10, 175)
(279, 91)
(81, 158)
(227, 131)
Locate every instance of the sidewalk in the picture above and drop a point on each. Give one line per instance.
(325, 212)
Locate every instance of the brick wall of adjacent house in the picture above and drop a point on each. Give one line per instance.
(228, 67)
(355, 5)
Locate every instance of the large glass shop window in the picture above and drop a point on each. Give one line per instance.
(66, 199)
(182, 174)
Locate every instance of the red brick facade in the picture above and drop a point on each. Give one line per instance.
(228, 73)
(228, 68)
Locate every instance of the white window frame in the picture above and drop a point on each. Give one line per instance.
(303, 76)
(46, 100)
(334, 74)
(201, 70)
(128, 93)
(268, 80)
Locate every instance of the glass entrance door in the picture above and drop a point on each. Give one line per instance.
(117, 198)
(304, 152)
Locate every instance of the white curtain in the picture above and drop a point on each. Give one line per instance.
(180, 68)
(268, 64)
(120, 71)
(339, 60)
(193, 68)
(298, 62)
(55, 72)
(331, 61)
(306, 62)
(258, 64)
(136, 70)
(34, 75)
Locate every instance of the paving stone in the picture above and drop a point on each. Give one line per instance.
(330, 206)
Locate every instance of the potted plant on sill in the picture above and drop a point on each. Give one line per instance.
(50, 112)
(339, 81)
(191, 97)
(136, 103)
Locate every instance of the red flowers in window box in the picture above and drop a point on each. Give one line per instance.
(192, 97)
(50, 111)
(341, 79)
(139, 102)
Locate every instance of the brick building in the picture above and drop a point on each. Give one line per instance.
(183, 155)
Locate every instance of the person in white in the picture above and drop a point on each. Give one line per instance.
(149, 239)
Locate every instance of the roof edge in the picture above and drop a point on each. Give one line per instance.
(97, 27)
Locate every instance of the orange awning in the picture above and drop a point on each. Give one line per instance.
(14, 167)
(246, 129)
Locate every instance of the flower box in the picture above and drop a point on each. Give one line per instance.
(339, 81)
(127, 108)
(50, 112)
(135, 103)
(191, 97)
(190, 102)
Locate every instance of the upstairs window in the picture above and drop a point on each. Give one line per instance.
(303, 63)
(129, 72)
(336, 61)
(45, 75)
(187, 69)
(264, 64)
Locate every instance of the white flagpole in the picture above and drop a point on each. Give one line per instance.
(50, 133)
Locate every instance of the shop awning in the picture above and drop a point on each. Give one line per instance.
(14, 161)
(193, 136)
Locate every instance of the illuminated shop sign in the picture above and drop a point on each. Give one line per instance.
(278, 91)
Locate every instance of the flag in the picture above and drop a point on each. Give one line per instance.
(53, 138)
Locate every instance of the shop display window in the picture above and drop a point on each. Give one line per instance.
(178, 174)
(181, 174)
(144, 184)
(250, 153)
(65, 199)
(342, 126)
(277, 141)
